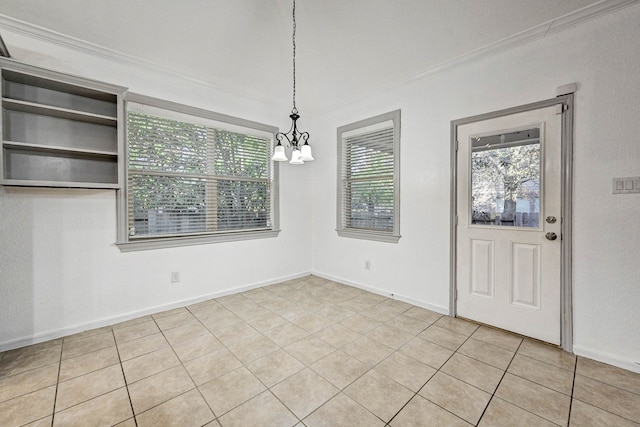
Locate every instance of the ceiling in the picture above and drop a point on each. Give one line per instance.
(345, 48)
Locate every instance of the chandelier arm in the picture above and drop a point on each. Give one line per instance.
(283, 138)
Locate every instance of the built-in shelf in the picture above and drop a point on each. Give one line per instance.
(59, 130)
(62, 113)
(35, 78)
(56, 148)
(58, 184)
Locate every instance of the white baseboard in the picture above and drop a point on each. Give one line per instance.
(388, 294)
(608, 358)
(112, 320)
(578, 349)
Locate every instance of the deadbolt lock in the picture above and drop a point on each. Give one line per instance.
(551, 219)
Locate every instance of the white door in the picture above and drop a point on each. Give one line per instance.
(508, 234)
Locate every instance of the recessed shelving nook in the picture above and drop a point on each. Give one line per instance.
(59, 130)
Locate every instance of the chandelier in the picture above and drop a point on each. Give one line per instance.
(298, 141)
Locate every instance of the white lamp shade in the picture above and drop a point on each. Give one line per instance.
(279, 154)
(305, 153)
(296, 158)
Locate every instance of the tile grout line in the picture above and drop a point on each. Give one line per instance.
(341, 390)
(55, 396)
(300, 420)
(126, 384)
(197, 387)
(397, 350)
(267, 389)
(597, 407)
(607, 384)
(506, 369)
(215, 416)
(573, 386)
(74, 378)
(306, 366)
(449, 358)
(245, 366)
(531, 381)
(141, 379)
(422, 386)
(444, 373)
(546, 363)
(375, 365)
(539, 383)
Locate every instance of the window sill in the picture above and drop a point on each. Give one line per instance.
(173, 242)
(369, 235)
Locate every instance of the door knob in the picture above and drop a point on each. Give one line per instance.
(551, 219)
(551, 236)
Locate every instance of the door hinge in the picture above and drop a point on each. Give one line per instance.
(456, 220)
(456, 147)
(455, 294)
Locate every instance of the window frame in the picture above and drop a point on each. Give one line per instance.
(369, 234)
(126, 244)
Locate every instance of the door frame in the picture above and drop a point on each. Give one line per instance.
(566, 164)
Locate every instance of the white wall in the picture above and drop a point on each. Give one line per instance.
(602, 56)
(60, 271)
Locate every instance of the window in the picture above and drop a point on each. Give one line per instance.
(194, 176)
(369, 180)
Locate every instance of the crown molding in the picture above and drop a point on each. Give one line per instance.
(553, 26)
(69, 42)
(588, 13)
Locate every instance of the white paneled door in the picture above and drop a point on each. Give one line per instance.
(508, 245)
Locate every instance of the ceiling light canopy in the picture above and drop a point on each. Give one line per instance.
(298, 141)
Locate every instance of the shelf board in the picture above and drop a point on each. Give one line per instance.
(37, 81)
(18, 72)
(57, 149)
(59, 184)
(64, 113)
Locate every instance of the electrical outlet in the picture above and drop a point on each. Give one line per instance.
(367, 264)
(175, 276)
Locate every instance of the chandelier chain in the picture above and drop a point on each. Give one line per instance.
(294, 55)
(298, 141)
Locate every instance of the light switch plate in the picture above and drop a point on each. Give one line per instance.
(626, 185)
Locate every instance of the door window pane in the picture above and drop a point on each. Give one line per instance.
(505, 179)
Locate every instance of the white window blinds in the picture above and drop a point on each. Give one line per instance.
(190, 176)
(368, 199)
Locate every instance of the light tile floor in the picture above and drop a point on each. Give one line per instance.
(308, 352)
